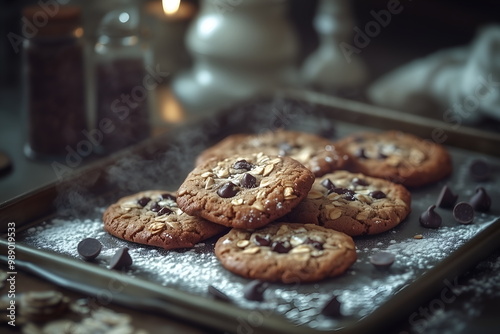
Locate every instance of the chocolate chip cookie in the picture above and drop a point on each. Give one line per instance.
(354, 204)
(288, 253)
(245, 191)
(318, 154)
(153, 218)
(398, 157)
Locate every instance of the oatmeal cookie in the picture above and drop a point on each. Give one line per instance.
(354, 204)
(318, 154)
(153, 218)
(398, 157)
(245, 191)
(288, 253)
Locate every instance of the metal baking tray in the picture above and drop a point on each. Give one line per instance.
(51, 221)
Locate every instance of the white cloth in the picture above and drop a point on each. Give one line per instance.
(458, 85)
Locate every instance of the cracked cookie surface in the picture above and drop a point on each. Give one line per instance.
(316, 153)
(353, 203)
(245, 191)
(154, 218)
(285, 252)
(398, 157)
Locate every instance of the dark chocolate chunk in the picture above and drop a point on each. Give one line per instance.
(349, 197)
(328, 184)
(281, 247)
(377, 194)
(262, 241)
(143, 201)
(446, 198)
(242, 164)
(248, 181)
(255, 290)
(168, 197)
(382, 260)
(217, 294)
(359, 182)
(332, 308)
(430, 218)
(121, 259)
(348, 194)
(89, 248)
(227, 190)
(463, 213)
(480, 201)
(316, 244)
(155, 207)
(480, 170)
(164, 211)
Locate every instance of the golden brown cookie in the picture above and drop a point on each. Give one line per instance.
(245, 191)
(398, 157)
(153, 218)
(354, 204)
(288, 253)
(318, 154)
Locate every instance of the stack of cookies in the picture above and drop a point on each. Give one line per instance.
(288, 202)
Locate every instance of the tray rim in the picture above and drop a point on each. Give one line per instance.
(432, 283)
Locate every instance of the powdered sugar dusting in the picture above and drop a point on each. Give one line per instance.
(361, 290)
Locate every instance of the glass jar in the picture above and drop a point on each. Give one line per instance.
(122, 92)
(54, 84)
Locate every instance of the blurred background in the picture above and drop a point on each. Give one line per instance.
(206, 54)
(420, 29)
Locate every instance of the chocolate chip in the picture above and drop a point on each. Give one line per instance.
(227, 190)
(480, 170)
(332, 308)
(217, 294)
(316, 244)
(242, 164)
(143, 201)
(164, 211)
(168, 197)
(430, 218)
(281, 247)
(262, 241)
(285, 148)
(155, 207)
(255, 290)
(347, 194)
(446, 198)
(341, 191)
(328, 184)
(377, 194)
(248, 181)
(349, 197)
(463, 213)
(382, 260)
(359, 182)
(121, 259)
(480, 201)
(89, 248)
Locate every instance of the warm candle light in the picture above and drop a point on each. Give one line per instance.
(170, 6)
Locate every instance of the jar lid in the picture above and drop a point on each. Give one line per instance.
(61, 21)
